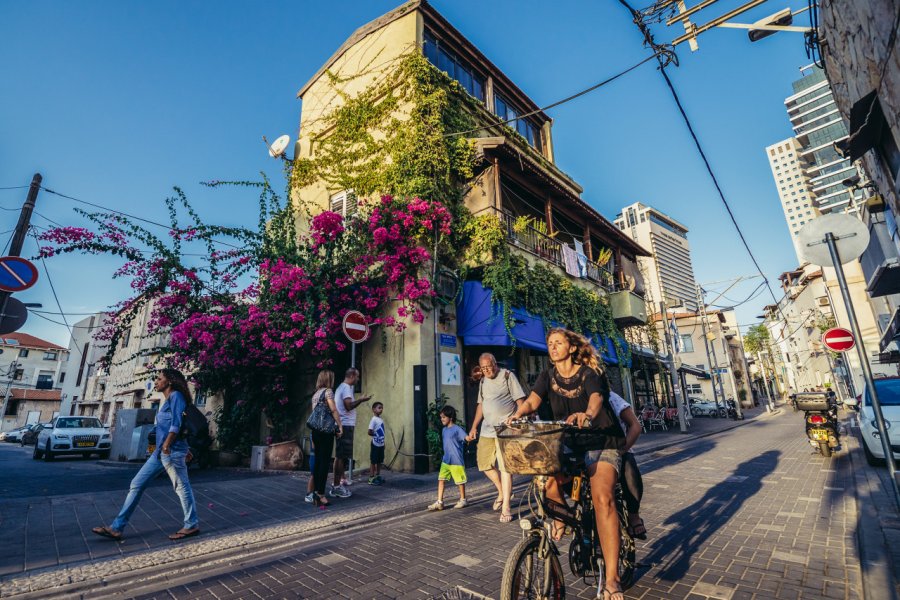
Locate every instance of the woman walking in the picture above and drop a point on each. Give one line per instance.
(171, 455)
(323, 441)
(578, 391)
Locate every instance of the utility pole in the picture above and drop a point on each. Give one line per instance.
(702, 305)
(10, 375)
(673, 375)
(15, 249)
(738, 411)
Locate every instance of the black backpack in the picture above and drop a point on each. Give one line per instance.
(195, 428)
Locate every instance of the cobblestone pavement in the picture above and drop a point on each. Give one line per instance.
(751, 513)
(47, 533)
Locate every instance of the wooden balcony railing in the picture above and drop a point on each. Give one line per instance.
(549, 249)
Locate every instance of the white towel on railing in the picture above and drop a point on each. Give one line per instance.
(570, 260)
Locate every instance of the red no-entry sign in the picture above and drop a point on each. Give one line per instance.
(355, 326)
(838, 339)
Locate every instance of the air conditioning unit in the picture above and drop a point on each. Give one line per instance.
(823, 301)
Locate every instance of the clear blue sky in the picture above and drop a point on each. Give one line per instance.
(116, 102)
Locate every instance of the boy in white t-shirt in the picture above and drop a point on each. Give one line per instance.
(376, 452)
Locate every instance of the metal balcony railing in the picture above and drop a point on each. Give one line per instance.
(549, 249)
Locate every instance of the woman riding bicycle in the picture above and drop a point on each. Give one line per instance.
(578, 391)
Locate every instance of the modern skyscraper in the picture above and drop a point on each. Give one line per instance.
(808, 171)
(669, 272)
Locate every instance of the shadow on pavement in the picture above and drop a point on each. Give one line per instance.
(692, 526)
(674, 455)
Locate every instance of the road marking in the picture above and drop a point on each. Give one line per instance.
(465, 561)
(789, 557)
(330, 559)
(713, 591)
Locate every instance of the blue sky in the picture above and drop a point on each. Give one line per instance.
(116, 102)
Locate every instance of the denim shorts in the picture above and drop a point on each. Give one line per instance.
(609, 456)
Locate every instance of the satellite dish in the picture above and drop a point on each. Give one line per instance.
(277, 148)
(851, 238)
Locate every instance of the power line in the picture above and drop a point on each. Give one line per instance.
(558, 102)
(14, 187)
(55, 297)
(130, 216)
(649, 41)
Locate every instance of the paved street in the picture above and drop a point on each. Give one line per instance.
(750, 513)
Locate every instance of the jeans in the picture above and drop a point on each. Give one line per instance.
(176, 468)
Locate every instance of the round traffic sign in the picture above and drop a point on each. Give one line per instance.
(851, 237)
(838, 339)
(355, 326)
(16, 274)
(14, 316)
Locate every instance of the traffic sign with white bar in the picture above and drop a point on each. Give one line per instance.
(838, 339)
(355, 326)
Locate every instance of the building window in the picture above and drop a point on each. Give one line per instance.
(344, 203)
(23, 352)
(19, 374)
(62, 377)
(694, 388)
(452, 65)
(44, 381)
(687, 343)
(506, 112)
(51, 355)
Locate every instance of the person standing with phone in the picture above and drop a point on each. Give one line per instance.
(346, 406)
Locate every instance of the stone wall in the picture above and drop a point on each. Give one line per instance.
(855, 36)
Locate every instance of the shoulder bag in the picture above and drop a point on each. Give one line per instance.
(321, 419)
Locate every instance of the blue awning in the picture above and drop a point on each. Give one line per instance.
(480, 323)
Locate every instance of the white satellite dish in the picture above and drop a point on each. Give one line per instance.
(277, 148)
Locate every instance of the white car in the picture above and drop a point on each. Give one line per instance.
(14, 435)
(73, 435)
(889, 396)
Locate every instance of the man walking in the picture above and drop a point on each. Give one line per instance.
(346, 406)
(499, 395)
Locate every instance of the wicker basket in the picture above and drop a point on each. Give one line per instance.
(531, 448)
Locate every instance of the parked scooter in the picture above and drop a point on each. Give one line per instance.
(820, 416)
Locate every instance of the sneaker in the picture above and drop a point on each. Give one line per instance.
(379, 479)
(339, 492)
(439, 505)
(346, 482)
(461, 504)
(374, 480)
(309, 498)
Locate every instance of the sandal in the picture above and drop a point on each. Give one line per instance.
(107, 533)
(180, 535)
(613, 594)
(506, 517)
(557, 530)
(497, 503)
(638, 530)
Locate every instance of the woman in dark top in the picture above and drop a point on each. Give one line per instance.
(578, 392)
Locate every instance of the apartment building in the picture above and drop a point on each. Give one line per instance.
(29, 368)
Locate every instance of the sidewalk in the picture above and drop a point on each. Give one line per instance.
(49, 543)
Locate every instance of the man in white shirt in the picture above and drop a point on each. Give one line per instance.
(343, 453)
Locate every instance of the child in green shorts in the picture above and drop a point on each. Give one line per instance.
(452, 464)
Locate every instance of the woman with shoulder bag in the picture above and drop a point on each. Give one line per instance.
(324, 424)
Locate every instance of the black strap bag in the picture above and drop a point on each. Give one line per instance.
(321, 419)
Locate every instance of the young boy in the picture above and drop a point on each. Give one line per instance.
(376, 452)
(452, 464)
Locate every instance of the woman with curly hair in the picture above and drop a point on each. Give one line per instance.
(171, 455)
(578, 391)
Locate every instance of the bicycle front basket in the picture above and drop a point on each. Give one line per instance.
(531, 448)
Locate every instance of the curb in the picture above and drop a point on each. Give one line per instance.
(876, 571)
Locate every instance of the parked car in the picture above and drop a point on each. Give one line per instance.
(888, 389)
(29, 437)
(13, 435)
(704, 408)
(73, 435)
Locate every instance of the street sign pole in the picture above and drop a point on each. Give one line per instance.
(864, 362)
(676, 385)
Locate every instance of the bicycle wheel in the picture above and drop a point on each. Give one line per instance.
(527, 575)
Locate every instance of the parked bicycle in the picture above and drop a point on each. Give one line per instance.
(533, 568)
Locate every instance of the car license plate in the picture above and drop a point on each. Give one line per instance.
(819, 434)
(84, 444)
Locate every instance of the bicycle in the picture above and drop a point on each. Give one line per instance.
(533, 569)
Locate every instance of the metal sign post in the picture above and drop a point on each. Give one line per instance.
(853, 236)
(676, 385)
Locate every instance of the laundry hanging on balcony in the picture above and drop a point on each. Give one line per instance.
(581, 257)
(570, 260)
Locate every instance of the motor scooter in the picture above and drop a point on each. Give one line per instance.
(820, 417)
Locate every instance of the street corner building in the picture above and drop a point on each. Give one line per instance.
(538, 209)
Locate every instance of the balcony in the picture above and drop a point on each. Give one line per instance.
(880, 262)
(537, 243)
